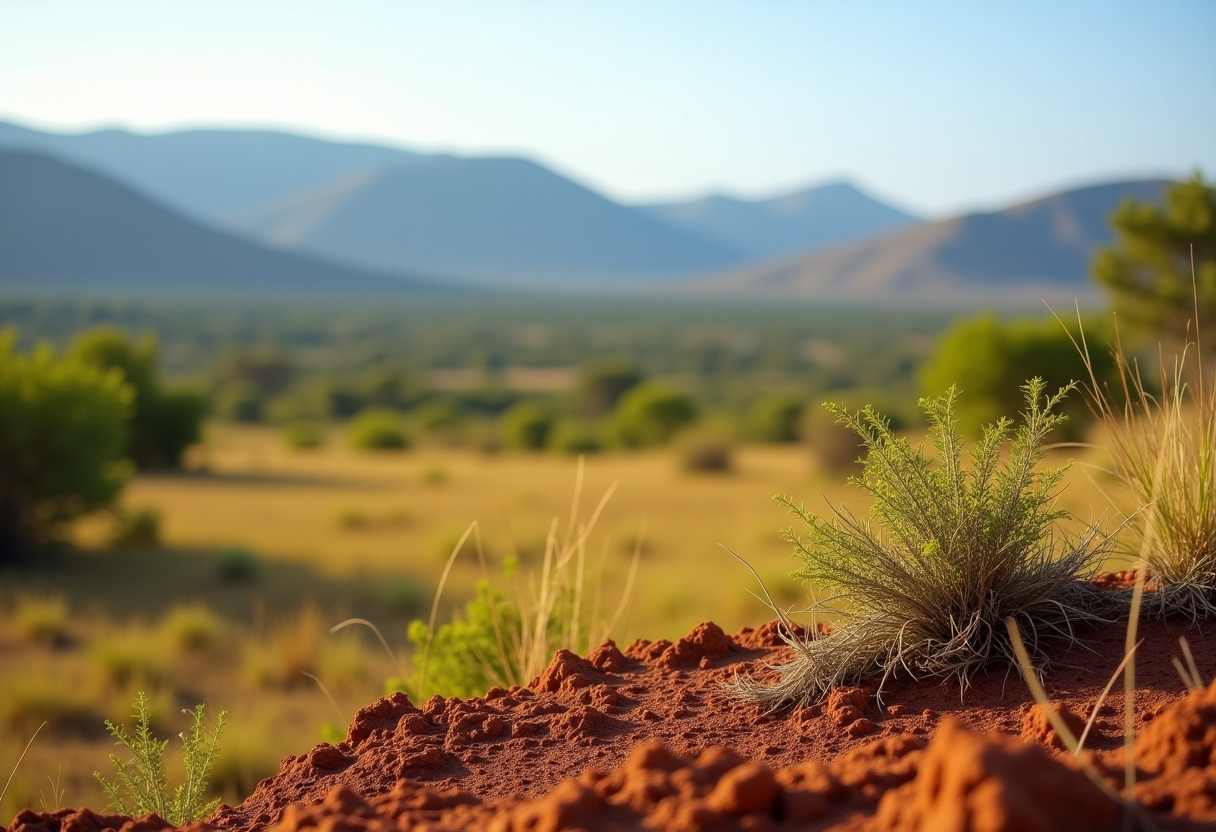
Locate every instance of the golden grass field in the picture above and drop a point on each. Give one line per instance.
(340, 533)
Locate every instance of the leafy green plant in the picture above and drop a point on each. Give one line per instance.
(948, 554)
(377, 429)
(142, 783)
(505, 639)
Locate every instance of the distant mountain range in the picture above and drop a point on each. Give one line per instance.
(1037, 250)
(242, 210)
(494, 221)
(65, 229)
(810, 219)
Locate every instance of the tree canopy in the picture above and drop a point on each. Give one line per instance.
(1148, 269)
(63, 439)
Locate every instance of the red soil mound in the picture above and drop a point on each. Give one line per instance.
(648, 738)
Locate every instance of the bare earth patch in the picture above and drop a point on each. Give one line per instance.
(646, 737)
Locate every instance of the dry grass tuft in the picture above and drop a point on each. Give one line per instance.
(950, 551)
(1164, 450)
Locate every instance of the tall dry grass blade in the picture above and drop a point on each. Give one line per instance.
(1132, 811)
(1129, 685)
(383, 641)
(1110, 683)
(341, 718)
(443, 580)
(1190, 662)
(17, 764)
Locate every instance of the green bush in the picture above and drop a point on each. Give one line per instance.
(988, 359)
(948, 553)
(163, 423)
(236, 565)
(464, 656)
(775, 417)
(136, 528)
(377, 429)
(304, 434)
(63, 437)
(650, 414)
(571, 437)
(526, 426)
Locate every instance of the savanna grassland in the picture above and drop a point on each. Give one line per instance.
(262, 547)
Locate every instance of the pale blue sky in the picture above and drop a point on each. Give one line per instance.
(937, 106)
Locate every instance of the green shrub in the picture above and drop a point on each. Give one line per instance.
(236, 565)
(28, 700)
(131, 656)
(570, 437)
(650, 414)
(163, 423)
(142, 785)
(465, 655)
(988, 358)
(377, 429)
(405, 596)
(140, 527)
(303, 434)
(526, 426)
(63, 436)
(775, 417)
(948, 553)
(192, 628)
(42, 619)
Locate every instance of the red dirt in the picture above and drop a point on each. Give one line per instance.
(647, 738)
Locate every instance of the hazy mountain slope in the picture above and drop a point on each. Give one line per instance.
(207, 174)
(798, 222)
(1038, 249)
(493, 220)
(63, 228)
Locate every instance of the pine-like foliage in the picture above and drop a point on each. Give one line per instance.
(144, 779)
(950, 550)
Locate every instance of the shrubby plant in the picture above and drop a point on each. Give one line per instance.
(377, 429)
(63, 438)
(142, 783)
(163, 422)
(949, 552)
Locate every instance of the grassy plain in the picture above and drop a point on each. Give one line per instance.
(334, 533)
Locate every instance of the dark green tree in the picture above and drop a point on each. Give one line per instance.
(63, 437)
(1148, 270)
(163, 422)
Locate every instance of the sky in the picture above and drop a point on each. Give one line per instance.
(937, 107)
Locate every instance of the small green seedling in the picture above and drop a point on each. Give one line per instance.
(142, 784)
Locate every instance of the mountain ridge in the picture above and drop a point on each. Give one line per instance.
(66, 228)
